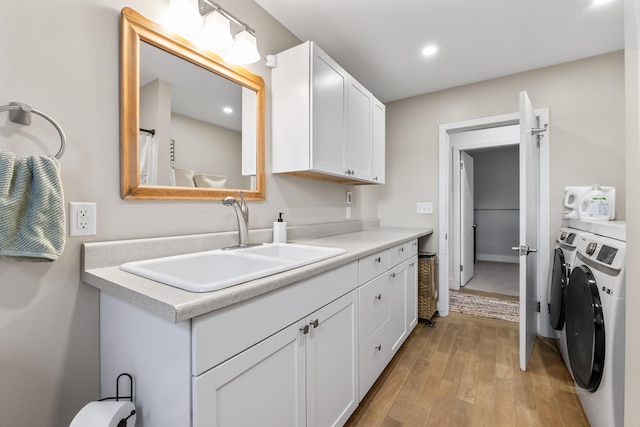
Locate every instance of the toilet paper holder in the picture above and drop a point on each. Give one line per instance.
(117, 397)
(123, 422)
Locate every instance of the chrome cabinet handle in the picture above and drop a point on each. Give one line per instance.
(314, 323)
(392, 275)
(377, 259)
(379, 347)
(304, 329)
(378, 297)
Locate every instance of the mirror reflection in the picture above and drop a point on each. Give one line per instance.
(192, 125)
(202, 146)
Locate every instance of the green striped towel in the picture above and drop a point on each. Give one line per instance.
(32, 218)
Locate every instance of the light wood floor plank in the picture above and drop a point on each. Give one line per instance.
(465, 372)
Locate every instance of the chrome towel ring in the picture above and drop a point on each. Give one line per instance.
(21, 113)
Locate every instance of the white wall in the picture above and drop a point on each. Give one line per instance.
(208, 149)
(632, 167)
(62, 57)
(586, 102)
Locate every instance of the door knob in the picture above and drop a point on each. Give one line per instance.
(523, 250)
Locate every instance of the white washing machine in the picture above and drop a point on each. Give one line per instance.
(563, 261)
(595, 328)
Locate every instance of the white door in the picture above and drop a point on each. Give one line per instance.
(528, 241)
(466, 217)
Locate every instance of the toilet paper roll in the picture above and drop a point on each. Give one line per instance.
(104, 414)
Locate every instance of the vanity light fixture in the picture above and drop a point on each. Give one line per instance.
(183, 17)
(242, 49)
(245, 49)
(216, 33)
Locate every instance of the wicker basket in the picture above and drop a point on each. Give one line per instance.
(427, 284)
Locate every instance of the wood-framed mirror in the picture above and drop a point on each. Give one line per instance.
(174, 144)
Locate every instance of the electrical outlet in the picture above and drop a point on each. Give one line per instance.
(82, 219)
(424, 207)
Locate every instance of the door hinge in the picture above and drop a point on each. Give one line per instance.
(461, 267)
(461, 165)
(538, 307)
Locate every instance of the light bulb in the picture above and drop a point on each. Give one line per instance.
(183, 17)
(244, 50)
(216, 33)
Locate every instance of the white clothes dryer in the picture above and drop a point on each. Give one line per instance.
(595, 328)
(563, 261)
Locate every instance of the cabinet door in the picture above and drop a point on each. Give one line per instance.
(378, 142)
(359, 131)
(398, 308)
(332, 355)
(328, 124)
(262, 386)
(412, 294)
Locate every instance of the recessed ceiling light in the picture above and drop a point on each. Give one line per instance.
(227, 110)
(430, 50)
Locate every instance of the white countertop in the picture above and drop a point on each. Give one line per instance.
(101, 261)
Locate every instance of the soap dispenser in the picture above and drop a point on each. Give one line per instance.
(280, 230)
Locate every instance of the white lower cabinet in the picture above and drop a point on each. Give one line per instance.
(264, 385)
(305, 374)
(404, 302)
(301, 355)
(388, 309)
(332, 363)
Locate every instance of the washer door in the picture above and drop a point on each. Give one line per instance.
(585, 328)
(558, 285)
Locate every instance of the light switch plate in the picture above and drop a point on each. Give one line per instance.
(424, 207)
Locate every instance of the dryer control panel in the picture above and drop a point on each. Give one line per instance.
(604, 251)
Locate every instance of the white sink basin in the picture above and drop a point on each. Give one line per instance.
(218, 269)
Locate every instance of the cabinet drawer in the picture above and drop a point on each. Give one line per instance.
(402, 252)
(373, 305)
(375, 354)
(372, 266)
(221, 334)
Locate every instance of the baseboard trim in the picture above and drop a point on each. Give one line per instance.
(498, 258)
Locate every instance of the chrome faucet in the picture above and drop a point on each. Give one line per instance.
(242, 215)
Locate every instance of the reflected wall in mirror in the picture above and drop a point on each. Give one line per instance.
(192, 125)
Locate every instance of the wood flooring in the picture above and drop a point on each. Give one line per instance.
(465, 372)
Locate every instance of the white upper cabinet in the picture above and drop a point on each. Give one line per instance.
(325, 124)
(359, 131)
(378, 142)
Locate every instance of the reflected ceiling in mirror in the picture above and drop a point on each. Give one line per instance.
(199, 151)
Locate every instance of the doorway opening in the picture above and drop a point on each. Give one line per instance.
(449, 209)
(485, 165)
(490, 220)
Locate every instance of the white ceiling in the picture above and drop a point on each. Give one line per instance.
(379, 42)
